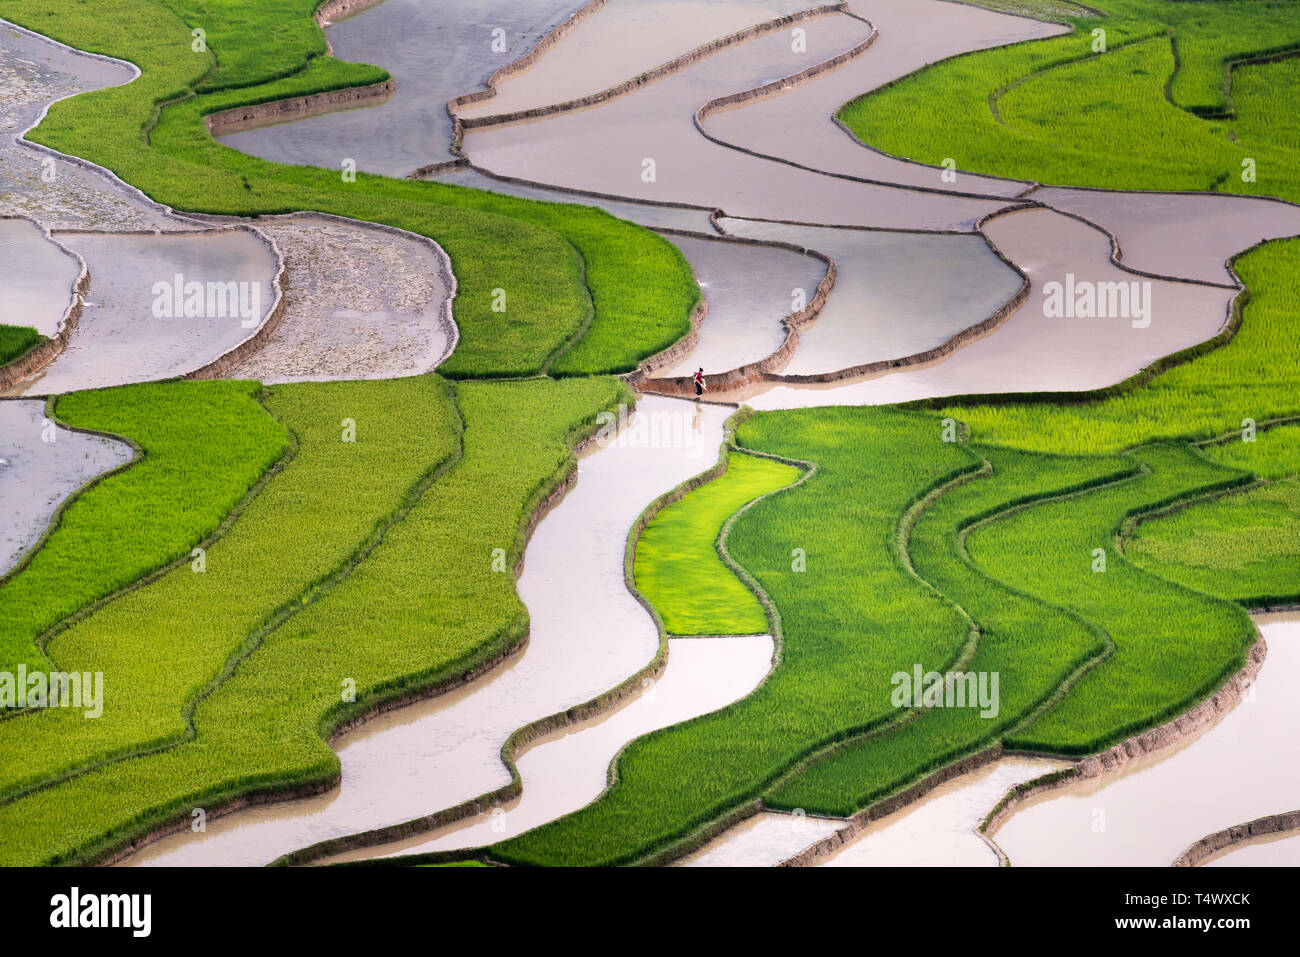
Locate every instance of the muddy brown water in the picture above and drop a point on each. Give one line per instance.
(36, 277)
(646, 214)
(1030, 351)
(937, 830)
(1186, 235)
(121, 339)
(41, 465)
(622, 40)
(763, 840)
(750, 289)
(910, 34)
(588, 634)
(895, 295)
(435, 51)
(608, 148)
(1278, 851)
(1246, 765)
(569, 769)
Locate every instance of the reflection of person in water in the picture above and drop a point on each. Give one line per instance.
(699, 381)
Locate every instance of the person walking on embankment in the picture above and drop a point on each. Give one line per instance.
(699, 382)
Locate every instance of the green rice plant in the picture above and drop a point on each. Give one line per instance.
(1052, 110)
(544, 256)
(678, 568)
(1243, 546)
(1173, 646)
(1034, 647)
(1270, 453)
(852, 613)
(427, 606)
(17, 341)
(202, 447)
(1084, 657)
(254, 43)
(1257, 91)
(361, 450)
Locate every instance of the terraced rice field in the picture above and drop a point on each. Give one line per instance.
(351, 455)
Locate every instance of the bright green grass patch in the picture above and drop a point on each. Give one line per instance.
(1173, 646)
(1044, 621)
(678, 568)
(1051, 110)
(1258, 90)
(854, 616)
(1244, 546)
(160, 645)
(253, 42)
(1033, 646)
(1271, 453)
(205, 445)
(17, 341)
(457, 864)
(543, 256)
(425, 607)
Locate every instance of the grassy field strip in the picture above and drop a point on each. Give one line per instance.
(164, 645)
(678, 567)
(640, 286)
(1046, 110)
(820, 692)
(1242, 545)
(1037, 648)
(17, 341)
(581, 555)
(1126, 34)
(1153, 674)
(1273, 451)
(444, 613)
(201, 448)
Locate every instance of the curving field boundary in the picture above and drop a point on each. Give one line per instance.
(529, 733)
(1212, 844)
(1112, 759)
(649, 76)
